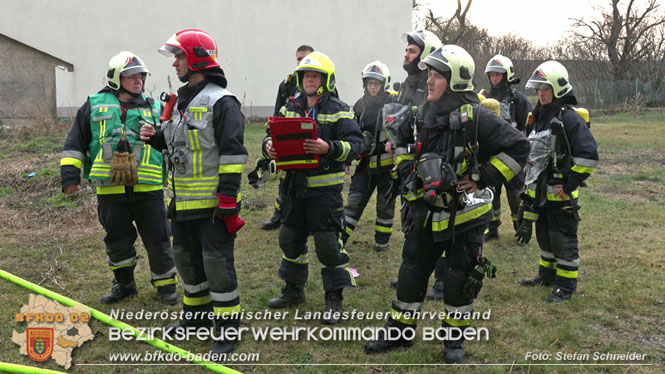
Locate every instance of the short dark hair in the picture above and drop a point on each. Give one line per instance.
(305, 48)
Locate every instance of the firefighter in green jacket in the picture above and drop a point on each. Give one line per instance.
(120, 109)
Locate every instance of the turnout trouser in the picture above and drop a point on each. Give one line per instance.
(420, 255)
(362, 187)
(205, 260)
(118, 217)
(556, 232)
(323, 217)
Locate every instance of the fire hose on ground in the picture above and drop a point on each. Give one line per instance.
(103, 317)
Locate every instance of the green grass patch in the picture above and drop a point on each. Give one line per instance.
(35, 145)
(59, 200)
(4, 191)
(48, 172)
(619, 307)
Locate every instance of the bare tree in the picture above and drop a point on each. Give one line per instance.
(456, 29)
(450, 30)
(623, 35)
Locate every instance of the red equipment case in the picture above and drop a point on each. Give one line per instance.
(288, 136)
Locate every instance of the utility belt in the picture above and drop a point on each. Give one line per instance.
(105, 187)
(379, 159)
(543, 195)
(297, 182)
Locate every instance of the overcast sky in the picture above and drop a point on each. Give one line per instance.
(541, 21)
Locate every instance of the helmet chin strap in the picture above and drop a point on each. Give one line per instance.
(134, 95)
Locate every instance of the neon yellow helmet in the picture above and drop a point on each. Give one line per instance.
(379, 71)
(124, 64)
(552, 73)
(456, 60)
(425, 40)
(502, 64)
(320, 63)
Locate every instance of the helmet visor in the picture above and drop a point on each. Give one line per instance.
(538, 86)
(537, 79)
(373, 75)
(496, 66)
(375, 72)
(135, 70)
(134, 66)
(495, 69)
(171, 47)
(438, 62)
(414, 37)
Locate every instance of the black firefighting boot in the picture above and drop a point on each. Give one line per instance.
(454, 345)
(538, 280)
(124, 286)
(333, 307)
(291, 295)
(274, 222)
(380, 247)
(393, 340)
(227, 328)
(437, 291)
(168, 294)
(454, 351)
(558, 296)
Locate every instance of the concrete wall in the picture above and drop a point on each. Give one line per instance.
(257, 39)
(27, 81)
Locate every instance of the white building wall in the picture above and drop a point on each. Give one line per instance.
(257, 39)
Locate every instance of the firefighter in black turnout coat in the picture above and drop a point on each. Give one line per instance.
(313, 202)
(462, 150)
(563, 155)
(373, 170)
(413, 92)
(514, 109)
(288, 90)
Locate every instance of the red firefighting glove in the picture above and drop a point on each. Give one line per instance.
(227, 210)
(234, 223)
(227, 206)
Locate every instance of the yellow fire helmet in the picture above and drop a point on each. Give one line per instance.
(502, 64)
(552, 73)
(457, 61)
(124, 64)
(320, 63)
(425, 40)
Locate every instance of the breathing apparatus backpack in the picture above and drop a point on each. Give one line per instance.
(438, 173)
(437, 176)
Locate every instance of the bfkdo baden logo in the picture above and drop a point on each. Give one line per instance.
(40, 343)
(52, 331)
